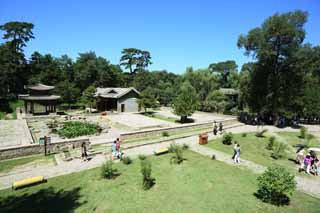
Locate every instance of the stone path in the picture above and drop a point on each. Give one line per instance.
(309, 186)
(14, 133)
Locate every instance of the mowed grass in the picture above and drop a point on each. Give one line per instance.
(8, 165)
(254, 149)
(199, 184)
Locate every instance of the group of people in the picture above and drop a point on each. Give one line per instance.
(236, 152)
(116, 152)
(308, 163)
(215, 128)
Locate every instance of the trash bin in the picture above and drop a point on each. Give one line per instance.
(203, 138)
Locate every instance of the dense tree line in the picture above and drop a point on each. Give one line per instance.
(283, 80)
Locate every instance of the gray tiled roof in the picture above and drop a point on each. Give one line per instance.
(113, 92)
(40, 87)
(40, 98)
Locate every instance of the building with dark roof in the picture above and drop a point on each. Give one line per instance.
(39, 100)
(117, 99)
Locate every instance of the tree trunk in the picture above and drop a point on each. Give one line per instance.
(183, 118)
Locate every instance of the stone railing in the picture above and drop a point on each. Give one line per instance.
(159, 131)
(19, 151)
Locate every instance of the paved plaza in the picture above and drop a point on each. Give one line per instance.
(14, 133)
(197, 116)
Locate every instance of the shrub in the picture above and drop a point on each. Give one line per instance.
(165, 134)
(303, 132)
(213, 157)
(244, 134)
(260, 134)
(172, 148)
(126, 160)
(147, 180)
(178, 151)
(74, 129)
(227, 138)
(107, 171)
(142, 157)
(271, 143)
(279, 150)
(52, 124)
(275, 184)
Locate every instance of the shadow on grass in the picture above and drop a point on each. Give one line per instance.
(46, 200)
(152, 114)
(277, 199)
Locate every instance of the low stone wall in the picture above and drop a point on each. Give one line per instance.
(159, 131)
(19, 151)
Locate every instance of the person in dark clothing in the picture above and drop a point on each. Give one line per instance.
(215, 129)
(84, 154)
(220, 128)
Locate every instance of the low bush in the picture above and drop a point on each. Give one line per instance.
(72, 129)
(244, 134)
(172, 148)
(178, 151)
(271, 143)
(279, 149)
(165, 134)
(303, 132)
(260, 134)
(147, 180)
(126, 160)
(142, 157)
(213, 157)
(275, 184)
(107, 170)
(227, 138)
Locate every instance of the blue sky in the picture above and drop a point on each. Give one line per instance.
(178, 33)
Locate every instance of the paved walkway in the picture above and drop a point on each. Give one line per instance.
(309, 186)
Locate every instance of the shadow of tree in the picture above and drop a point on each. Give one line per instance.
(278, 199)
(46, 200)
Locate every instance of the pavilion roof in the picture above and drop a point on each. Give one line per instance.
(40, 98)
(40, 87)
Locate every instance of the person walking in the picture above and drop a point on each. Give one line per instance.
(220, 127)
(237, 156)
(300, 159)
(307, 162)
(119, 154)
(235, 149)
(114, 149)
(215, 128)
(84, 154)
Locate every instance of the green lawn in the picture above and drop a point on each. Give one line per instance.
(254, 149)
(199, 184)
(160, 117)
(8, 165)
